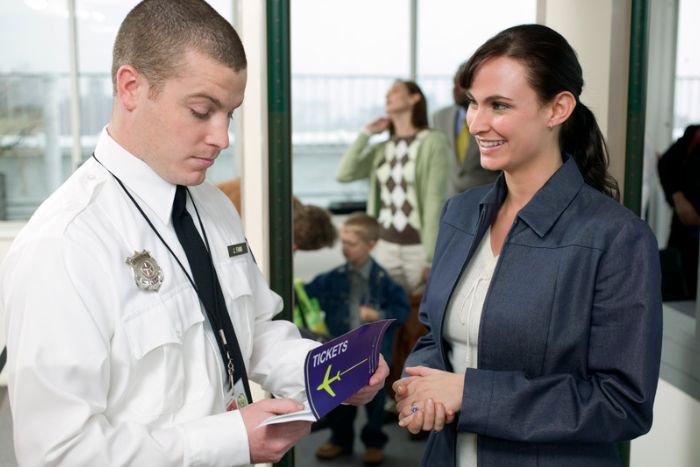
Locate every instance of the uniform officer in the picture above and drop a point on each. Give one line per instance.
(135, 312)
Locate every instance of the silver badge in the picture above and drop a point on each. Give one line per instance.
(147, 274)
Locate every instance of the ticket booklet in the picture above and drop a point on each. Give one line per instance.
(337, 369)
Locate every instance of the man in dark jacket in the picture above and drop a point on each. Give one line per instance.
(679, 172)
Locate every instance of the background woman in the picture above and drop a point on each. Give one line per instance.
(408, 183)
(543, 305)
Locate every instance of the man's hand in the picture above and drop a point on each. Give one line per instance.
(685, 210)
(376, 382)
(426, 273)
(269, 443)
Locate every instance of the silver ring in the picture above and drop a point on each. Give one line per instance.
(414, 409)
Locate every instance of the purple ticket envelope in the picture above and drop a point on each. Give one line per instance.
(340, 367)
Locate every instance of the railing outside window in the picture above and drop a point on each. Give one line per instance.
(328, 112)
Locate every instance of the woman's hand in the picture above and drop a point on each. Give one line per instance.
(428, 398)
(429, 416)
(378, 125)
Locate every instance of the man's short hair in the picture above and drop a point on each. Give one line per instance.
(313, 228)
(364, 225)
(155, 35)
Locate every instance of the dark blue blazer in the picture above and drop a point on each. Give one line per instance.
(332, 290)
(570, 335)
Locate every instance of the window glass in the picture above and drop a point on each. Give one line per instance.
(449, 32)
(35, 118)
(687, 100)
(682, 243)
(342, 67)
(98, 23)
(33, 103)
(97, 26)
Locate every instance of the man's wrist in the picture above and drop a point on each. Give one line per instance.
(678, 197)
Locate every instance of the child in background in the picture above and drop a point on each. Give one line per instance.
(359, 291)
(313, 229)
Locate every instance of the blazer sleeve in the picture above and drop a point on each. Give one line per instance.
(357, 162)
(614, 400)
(426, 351)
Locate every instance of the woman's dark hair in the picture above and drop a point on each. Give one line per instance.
(552, 68)
(419, 113)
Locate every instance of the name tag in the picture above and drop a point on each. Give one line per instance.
(237, 249)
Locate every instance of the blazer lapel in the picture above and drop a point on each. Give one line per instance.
(460, 243)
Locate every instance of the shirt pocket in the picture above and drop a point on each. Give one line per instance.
(155, 336)
(233, 277)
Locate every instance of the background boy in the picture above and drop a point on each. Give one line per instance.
(357, 292)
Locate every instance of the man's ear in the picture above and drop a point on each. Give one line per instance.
(130, 85)
(561, 107)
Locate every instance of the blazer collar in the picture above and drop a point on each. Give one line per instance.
(549, 202)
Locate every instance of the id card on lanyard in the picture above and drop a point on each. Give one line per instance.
(236, 396)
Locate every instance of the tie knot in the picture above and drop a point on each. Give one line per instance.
(180, 203)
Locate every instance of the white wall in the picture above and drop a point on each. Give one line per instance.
(252, 127)
(599, 32)
(674, 439)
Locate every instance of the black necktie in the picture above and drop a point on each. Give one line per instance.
(208, 289)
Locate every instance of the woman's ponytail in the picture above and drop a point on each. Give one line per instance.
(581, 137)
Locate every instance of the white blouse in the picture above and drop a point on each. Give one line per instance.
(462, 327)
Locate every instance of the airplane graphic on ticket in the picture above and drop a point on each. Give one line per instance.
(354, 356)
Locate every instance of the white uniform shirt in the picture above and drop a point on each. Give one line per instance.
(104, 373)
(462, 328)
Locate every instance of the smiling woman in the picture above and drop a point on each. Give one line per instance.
(513, 128)
(558, 368)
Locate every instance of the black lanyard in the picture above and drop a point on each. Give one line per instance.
(216, 317)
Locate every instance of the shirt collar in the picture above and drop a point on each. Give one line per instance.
(549, 202)
(138, 177)
(365, 271)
